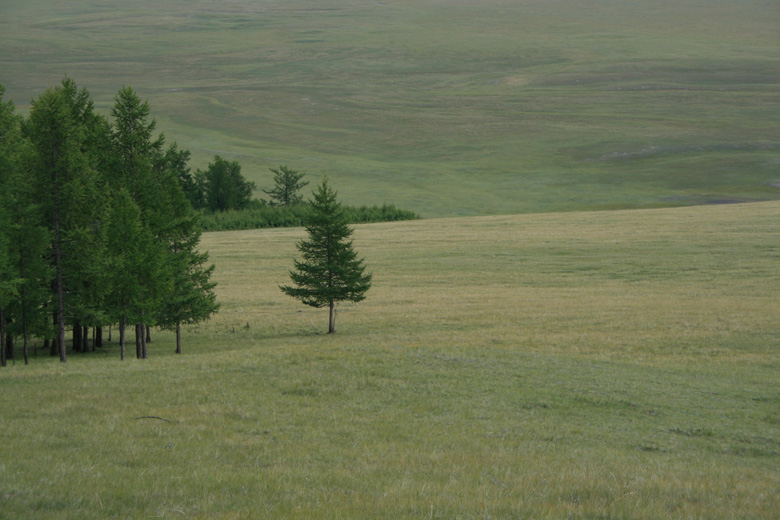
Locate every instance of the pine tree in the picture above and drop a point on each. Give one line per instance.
(9, 124)
(330, 270)
(286, 187)
(177, 160)
(9, 130)
(190, 298)
(133, 264)
(133, 145)
(65, 184)
(224, 186)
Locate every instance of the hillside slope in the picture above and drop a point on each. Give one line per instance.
(446, 108)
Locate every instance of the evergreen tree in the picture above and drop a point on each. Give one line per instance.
(139, 166)
(61, 171)
(8, 288)
(133, 264)
(28, 314)
(176, 160)
(224, 186)
(330, 270)
(133, 147)
(9, 124)
(286, 187)
(190, 298)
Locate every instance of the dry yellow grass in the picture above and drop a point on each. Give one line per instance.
(643, 285)
(591, 365)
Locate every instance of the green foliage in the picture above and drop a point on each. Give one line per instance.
(259, 216)
(224, 188)
(133, 265)
(330, 270)
(71, 197)
(133, 146)
(177, 161)
(287, 184)
(94, 224)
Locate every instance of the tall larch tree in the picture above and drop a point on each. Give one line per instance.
(9, 143)
(136, 150)
(62, 164)
(191, 297)
(56, 163)
(330, 271)
(133, 263)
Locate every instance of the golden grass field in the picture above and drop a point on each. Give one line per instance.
(581, 365)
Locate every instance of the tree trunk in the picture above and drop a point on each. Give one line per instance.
(77, 337)
(60, 285)
(122, 326)
(143, 340)
(332, 321)
(148, 334)
(53, 348)
(24, 314)
(25, 350)
(178, 338)
(2, 335)
(9, 346)
(99, 337)
(138, 340)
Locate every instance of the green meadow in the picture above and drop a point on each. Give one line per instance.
(619, 364)
(579, 327)
(442, 107)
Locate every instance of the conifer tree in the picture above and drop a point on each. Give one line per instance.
(64, 181)
(190, 298)
(9, 129)
(287, 184)
(133, 263)
(137, 154)
(330, 270)
(8, 125)
(224, 186)
(26, 249)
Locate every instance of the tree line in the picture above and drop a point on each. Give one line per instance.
(225, 200)
(96, 226)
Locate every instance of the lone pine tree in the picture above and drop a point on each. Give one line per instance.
(330, 270)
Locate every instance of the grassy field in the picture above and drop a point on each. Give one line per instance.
(443, 107)
(618, 364)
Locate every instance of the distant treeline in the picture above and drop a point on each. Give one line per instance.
(260, 215)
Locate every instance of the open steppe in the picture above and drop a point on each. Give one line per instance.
(528, 356)
(617, 364)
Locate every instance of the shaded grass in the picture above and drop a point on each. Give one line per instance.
(446, 108)
(587, 365)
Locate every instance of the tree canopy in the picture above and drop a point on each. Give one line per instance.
(330, 270)
(287, 184)
(95, 226)
(224, 187)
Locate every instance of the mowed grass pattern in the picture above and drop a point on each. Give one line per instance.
(445, 108)
(585, 365)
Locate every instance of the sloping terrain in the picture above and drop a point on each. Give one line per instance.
(446, 108)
